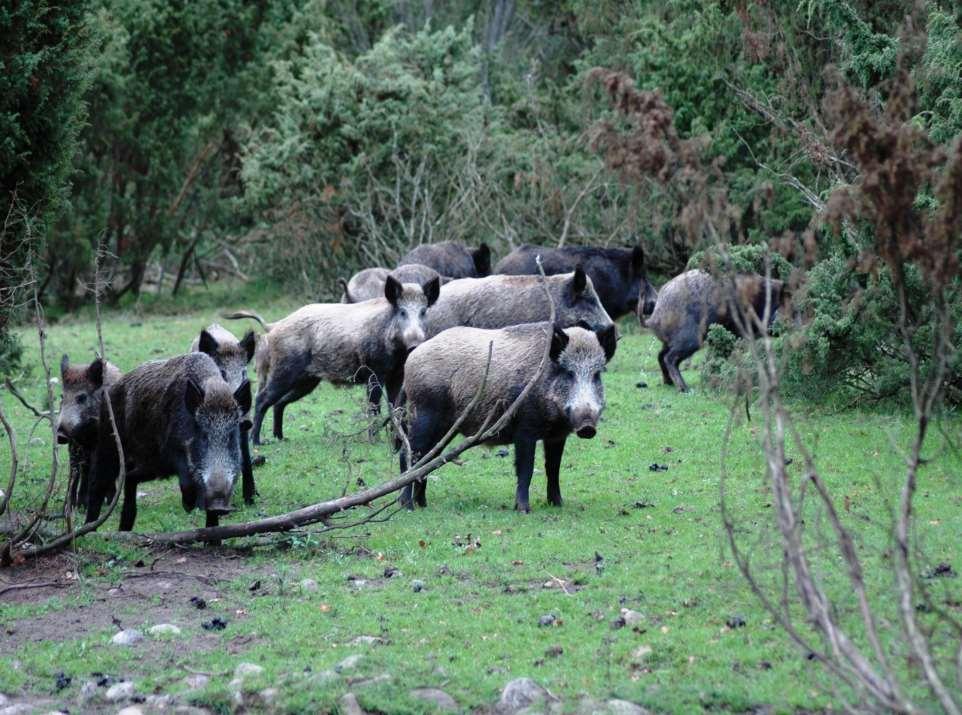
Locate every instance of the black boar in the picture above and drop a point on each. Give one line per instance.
(231, 356)
(691, 302)
(364, 343)
(500, 301)
(442, 376)
(78, 421)
(369, 283)
(451, 259)
(618, 274)
(175, 416)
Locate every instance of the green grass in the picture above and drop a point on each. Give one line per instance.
(475, 625)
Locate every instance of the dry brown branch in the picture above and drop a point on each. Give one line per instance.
(23, 400)
(14, 461)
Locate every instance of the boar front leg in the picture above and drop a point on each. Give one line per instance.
(553, 452)
(523, 467)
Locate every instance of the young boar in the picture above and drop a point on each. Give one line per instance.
(500, 301)
(231, 356)
(369, 283)
(175, 416)
(451, 259)
(691, 302)
(618, 274)
(443, 375)
(78, 421)
(365, 343)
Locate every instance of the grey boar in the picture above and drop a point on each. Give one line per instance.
(500, 301)
(231, 356)
(451, 259)
(369, 283)
(619, 275)
(442, 376)
(356, 343)
(174, 417)
(78, 421)
(690, 303)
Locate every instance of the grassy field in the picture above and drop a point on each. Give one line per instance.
(627, 537)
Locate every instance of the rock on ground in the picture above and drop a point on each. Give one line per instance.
(624, 707)
(128, 636)
(164, 629)
(520, 693)
(349, 663)
(197, 681)
(440, 699)
(308, 585)
(350, 705)
(131, 710)
(120, 691)
(244, 670)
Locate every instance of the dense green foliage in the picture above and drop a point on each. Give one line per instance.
(42, 78)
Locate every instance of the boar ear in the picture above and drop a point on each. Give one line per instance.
(249, 343)
(482, 260)
(638, 260)
(392, 290)
(608, 339)
(559, 341)
(207, 343)
(432, 289)
(64, 365)
(193, 396)
(243, 396)
(580, 281)
(95, 372)
(245, 426)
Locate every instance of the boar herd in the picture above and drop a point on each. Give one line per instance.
(419, 335)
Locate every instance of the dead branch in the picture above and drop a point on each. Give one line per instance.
(45, 414)
(14, 461)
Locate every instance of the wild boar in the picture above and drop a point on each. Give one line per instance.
(231, 356)
(369, 283)
(442, 376)
(356, 343)
(691, 302)
(451, 259)
(618, 274)
(175, 416)
(500, 301)
(78, 421)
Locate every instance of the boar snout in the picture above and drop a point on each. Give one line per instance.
(586, 431)
(584, 422)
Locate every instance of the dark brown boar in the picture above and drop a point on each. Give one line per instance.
(442, 376)
(690, 303)
(451, 259)
(174, 417)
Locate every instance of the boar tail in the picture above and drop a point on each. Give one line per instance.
(347, 293)
(240, 314)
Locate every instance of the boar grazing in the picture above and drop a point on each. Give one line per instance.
(175, 416)
(500, 301)
(451, 259)
(358, 343)
(688, 304)
(78, 421)
(618, 274)
(443, 375)
(369, 283)
(231, 356)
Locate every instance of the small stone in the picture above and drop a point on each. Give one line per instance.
(417, 585)
(88, 691)
(244, 670)
(349, 663)
(438, 698)
(127, 637)
(624, 707)
(18, 709)
(235, 685)
(632, 618)
(197, 681)
(268, 696)
(735, 621)
(376, 680)
(308, 585)
(120, 691)
(159, 702)
(520, 693)
(190, 710)
(130, 710)
(164, 629)
(350, 705)
(641, 652)
(547, 619)
(367, 640)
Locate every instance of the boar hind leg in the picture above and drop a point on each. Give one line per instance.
(128, 514)
(552, 468)
(303, 388)
(281, 381)
(675, 356)
(247, 469)
(665, 375)
(423, 433)
(523, 468)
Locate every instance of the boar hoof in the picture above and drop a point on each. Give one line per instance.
(524, 508)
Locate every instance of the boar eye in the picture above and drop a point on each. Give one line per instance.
(424, 311)
(81, 398)
(404, 313)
